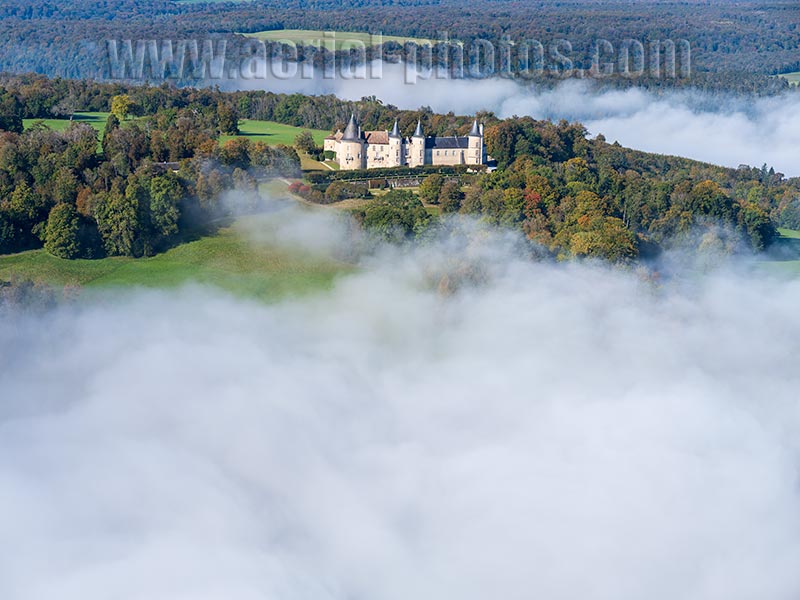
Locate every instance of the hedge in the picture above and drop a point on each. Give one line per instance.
(320, 177)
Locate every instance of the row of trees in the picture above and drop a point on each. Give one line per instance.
(215, 112)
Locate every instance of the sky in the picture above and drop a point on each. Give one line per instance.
(449, 421)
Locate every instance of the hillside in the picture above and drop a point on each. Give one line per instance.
(227, 257)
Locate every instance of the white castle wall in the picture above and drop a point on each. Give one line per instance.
(399, 152)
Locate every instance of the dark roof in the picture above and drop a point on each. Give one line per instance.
(475, 130)
(166, 166)
(395, 130)
(446, 143)
(418, 130)
(351, 131)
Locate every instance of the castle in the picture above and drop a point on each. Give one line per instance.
(356, 149)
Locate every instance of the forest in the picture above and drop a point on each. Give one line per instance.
(579, 197)
(735, 46)
(161, 169)
(153, 179)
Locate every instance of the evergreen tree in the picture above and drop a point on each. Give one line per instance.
(165, 196)
(61, 237)
(116, 219)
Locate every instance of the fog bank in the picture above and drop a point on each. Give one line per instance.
(717, 128)
(518, 430)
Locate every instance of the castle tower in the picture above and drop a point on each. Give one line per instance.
(351, 148)
(396, 158)
(475, 144)
(416, 155)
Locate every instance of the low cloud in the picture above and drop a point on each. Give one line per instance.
(717, 128)
(295, 226)
(527, 430)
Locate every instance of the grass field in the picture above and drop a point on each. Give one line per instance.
(784, 255)
(309, 164)
(273, 133)
(269, 132)
(343, 39)
(95, 119)
(792, 78)
(789, 233)
(228, 259)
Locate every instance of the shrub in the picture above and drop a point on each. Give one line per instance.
(339, 190)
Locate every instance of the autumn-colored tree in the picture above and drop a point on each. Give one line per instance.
(543, 189)
(603, 237)
(236, 153)
(591, 230)
(121, 106)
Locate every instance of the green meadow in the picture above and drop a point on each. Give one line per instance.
(269, 132)
(342, 39)
(95, 119)
(792, 78)
(785, 253)
(790, 234)
(273, 133)
(237, 257)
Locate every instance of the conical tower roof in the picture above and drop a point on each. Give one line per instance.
(351, 131)
(395, 133)
(418, 130)
(475, 129)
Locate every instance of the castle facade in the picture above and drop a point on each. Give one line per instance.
(356, 149)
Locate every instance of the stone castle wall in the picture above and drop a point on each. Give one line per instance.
(357, 152)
